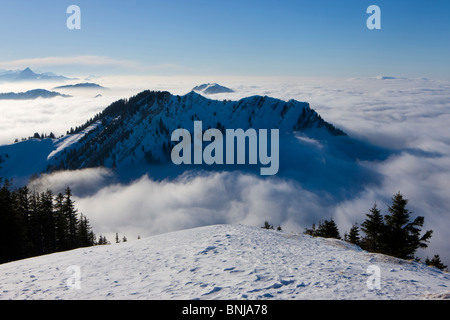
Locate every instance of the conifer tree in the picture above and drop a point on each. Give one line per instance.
(353, 235)
(85, 234)
(267, 225)
(10, 232)
(374, 228)
(312, 231)
(36, 225)
(61, 224)
(436, 262)
(22, 205)
(402, 237)
(47, 222)
(328, 229)
(71, 213)
(33, 224)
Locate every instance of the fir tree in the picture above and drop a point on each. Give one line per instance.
(22, 198)
(10, 231)
(47, 222)
(85, 234)
(71, 213)
(267, 225)
(312, 231)
(374, 228)
(328, 229)
(33, 224)
(36, 225)
(402, 237)
(436, 262)
(61, 224)
(353, 236)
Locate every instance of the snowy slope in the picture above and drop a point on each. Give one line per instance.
(19, 161)
(221, 262)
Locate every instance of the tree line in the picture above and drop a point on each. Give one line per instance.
(33, 223)
(394, 234)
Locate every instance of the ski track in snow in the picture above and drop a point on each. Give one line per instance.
(221, 262)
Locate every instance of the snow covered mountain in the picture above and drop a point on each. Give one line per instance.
(31, 95)
(133, 136)
(29, 75)
(232, 262)
(211, 88)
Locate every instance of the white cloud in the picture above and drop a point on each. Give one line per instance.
(148, 207)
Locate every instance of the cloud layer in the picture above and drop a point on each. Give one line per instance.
(409, 115)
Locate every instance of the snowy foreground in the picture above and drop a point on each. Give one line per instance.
(221, 262)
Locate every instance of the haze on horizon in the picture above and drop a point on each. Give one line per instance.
(322, 38)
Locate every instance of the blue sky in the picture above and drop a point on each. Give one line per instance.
(228, 37)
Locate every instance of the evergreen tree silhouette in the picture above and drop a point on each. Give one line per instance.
(436, 262)
(402, 237)
(353, 235)
(374, 229)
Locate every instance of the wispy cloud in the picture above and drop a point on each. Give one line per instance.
(65, 61)
(91, 63)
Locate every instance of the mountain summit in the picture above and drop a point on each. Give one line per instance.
(29, 75)
(211, 88)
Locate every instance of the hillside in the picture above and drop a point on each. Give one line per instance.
(221, 262)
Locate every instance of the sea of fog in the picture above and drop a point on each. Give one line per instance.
(410, 116)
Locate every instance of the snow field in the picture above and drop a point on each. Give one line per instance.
(221, 262)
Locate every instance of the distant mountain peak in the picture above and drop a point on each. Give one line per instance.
(27, 70)
(31, 95)
(211, 88)
(86, 85)
(29, 75)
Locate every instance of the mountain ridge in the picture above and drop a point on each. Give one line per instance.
(32, 94)
(133, 137)
(29, 75)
